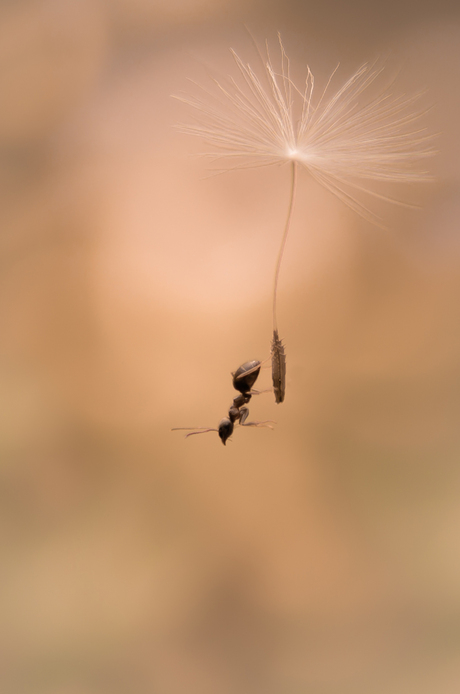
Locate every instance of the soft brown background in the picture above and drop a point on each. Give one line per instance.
(321, 557)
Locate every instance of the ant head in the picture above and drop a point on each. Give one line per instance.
(225, 429)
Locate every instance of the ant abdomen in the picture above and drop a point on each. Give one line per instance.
(246, 375)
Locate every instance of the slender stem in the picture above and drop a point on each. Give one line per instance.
(283, 240)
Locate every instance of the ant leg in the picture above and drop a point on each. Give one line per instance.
(244, 413)
(265, 423)
(259, 392)
(264, 361)
(193, 430)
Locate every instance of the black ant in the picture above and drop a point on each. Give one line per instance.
(243, 380)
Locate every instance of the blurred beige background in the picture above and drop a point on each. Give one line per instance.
(321, 557)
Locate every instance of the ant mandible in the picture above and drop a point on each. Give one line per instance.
(243, 380)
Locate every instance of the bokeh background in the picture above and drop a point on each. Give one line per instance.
(321, 557)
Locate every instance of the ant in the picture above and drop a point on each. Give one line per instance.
(243, 380)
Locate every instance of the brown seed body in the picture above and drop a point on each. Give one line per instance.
(278, 367)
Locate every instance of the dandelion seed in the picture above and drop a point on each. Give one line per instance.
(343, 140)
